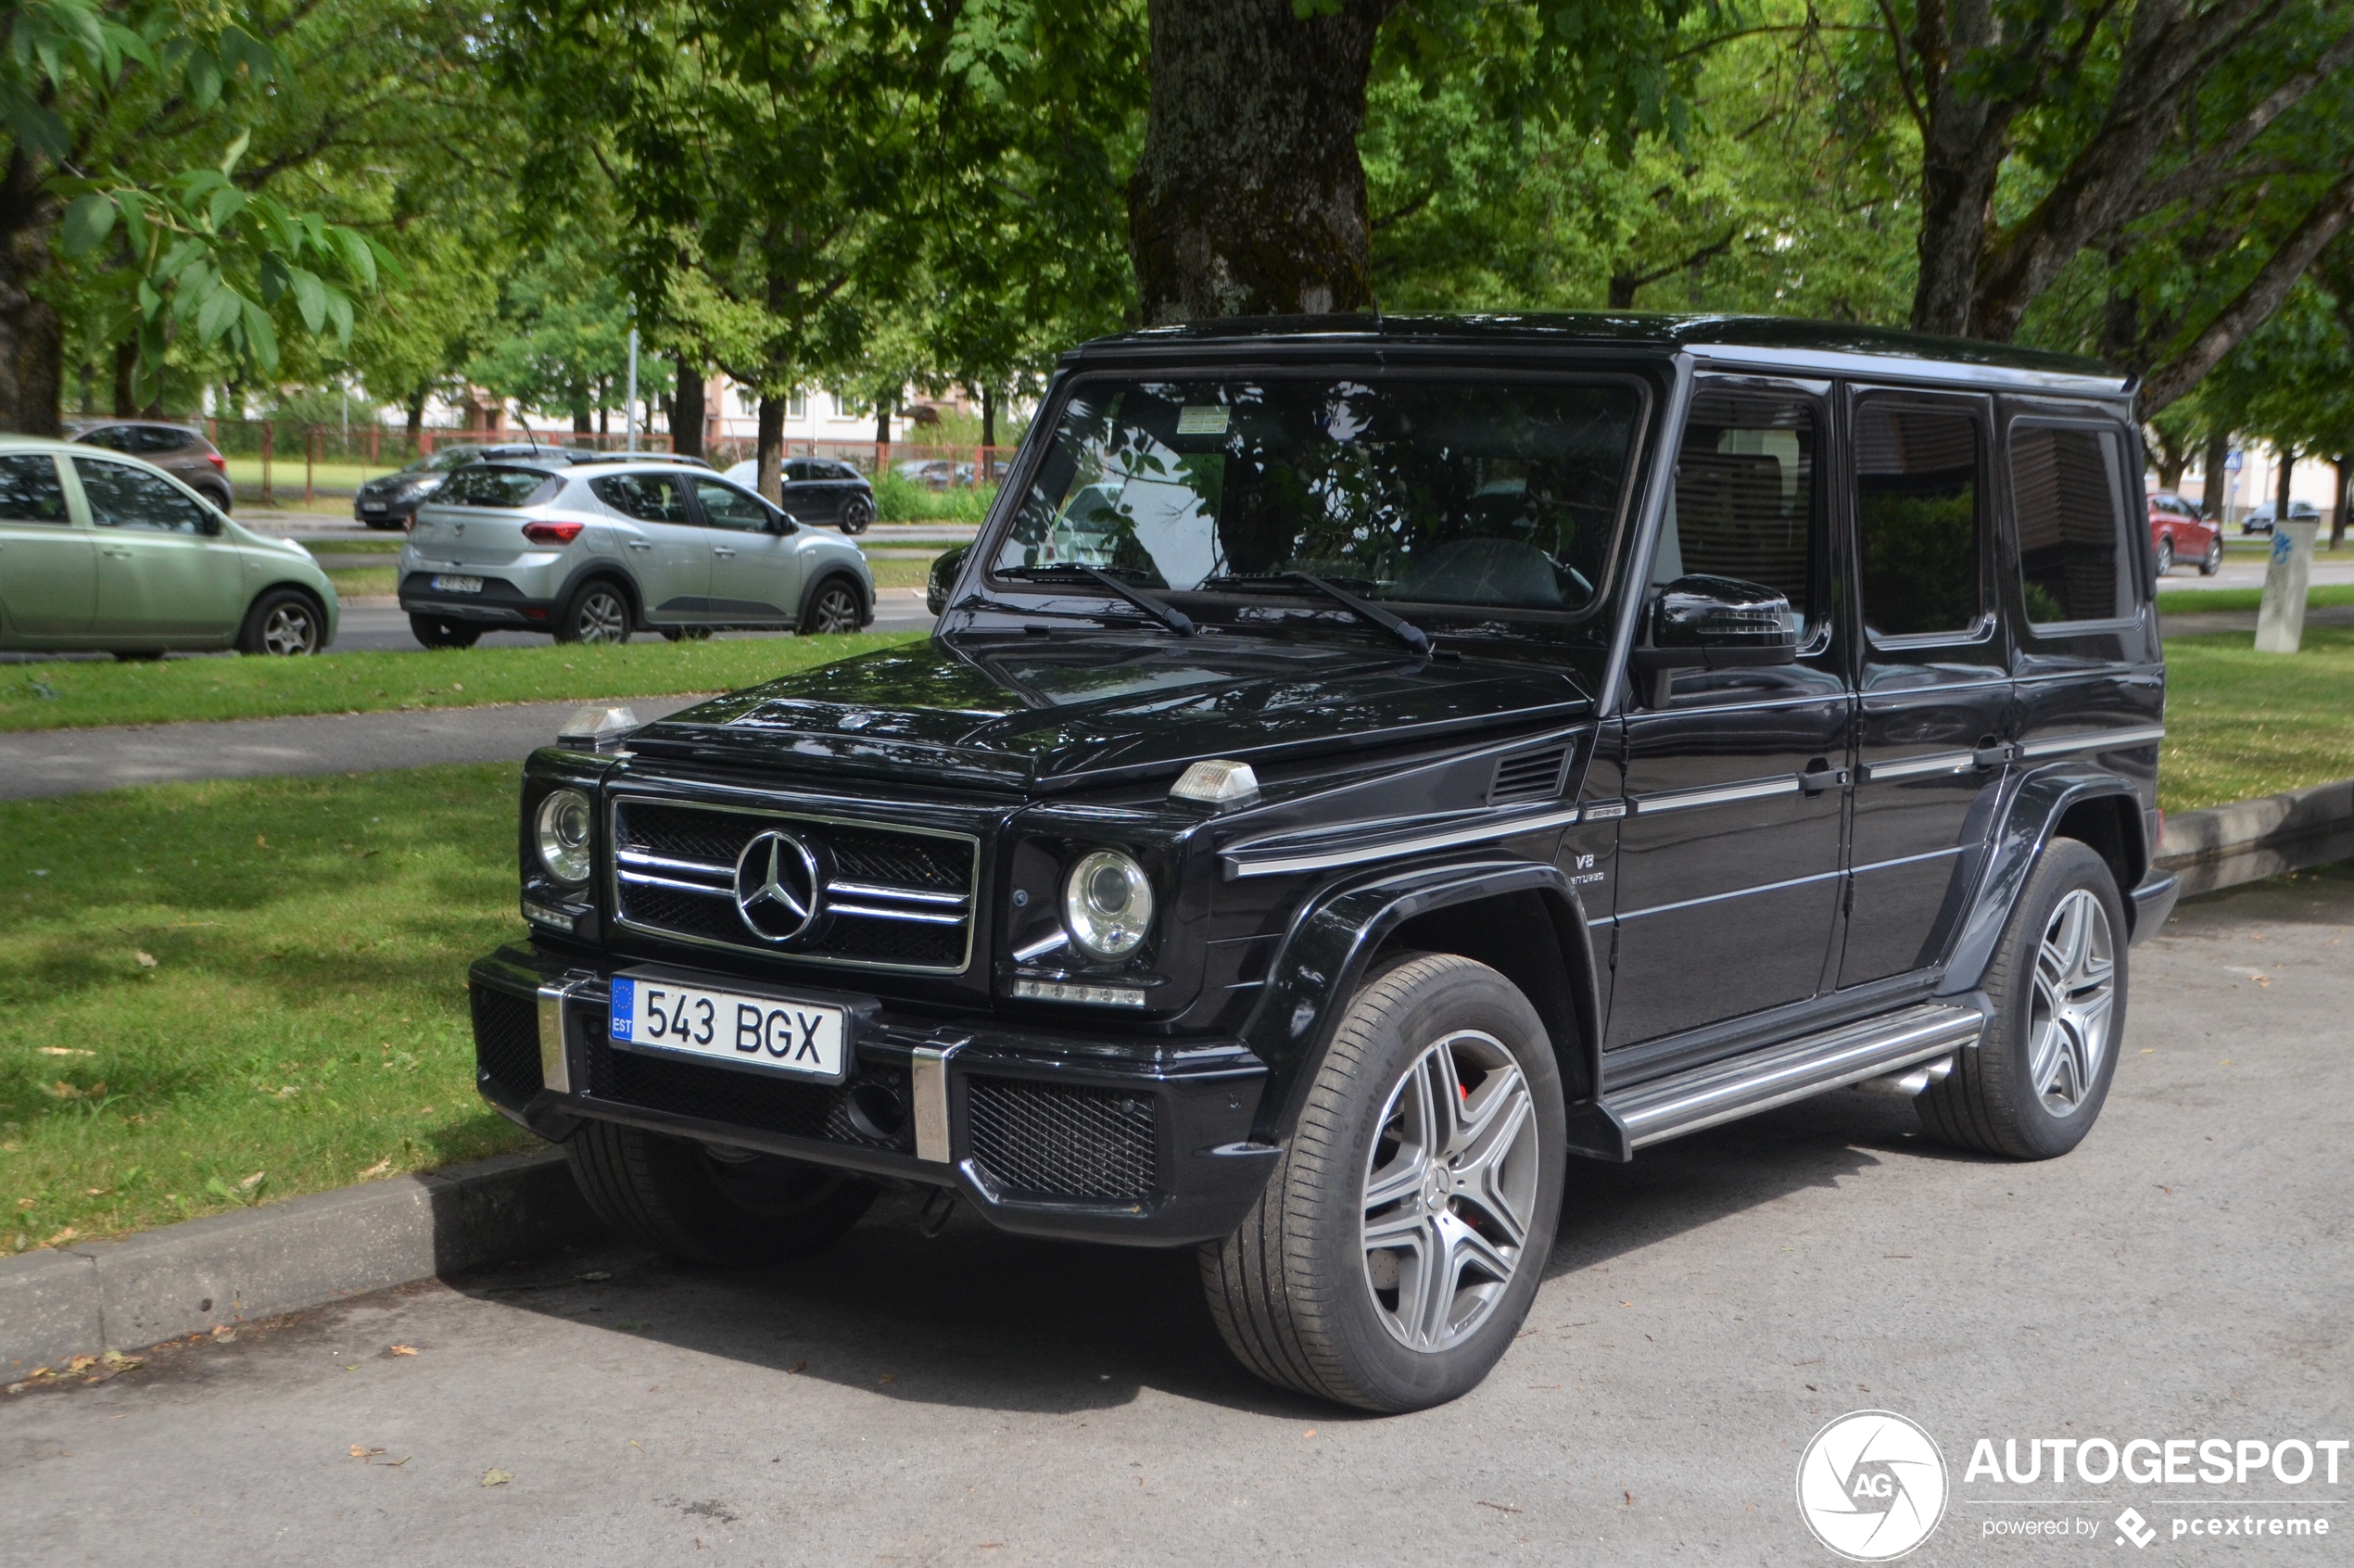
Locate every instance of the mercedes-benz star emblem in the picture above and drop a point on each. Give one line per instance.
(777, 885)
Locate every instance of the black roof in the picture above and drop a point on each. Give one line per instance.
(1757, 337)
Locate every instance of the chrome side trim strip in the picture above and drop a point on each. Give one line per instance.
(1242, 861)
(927, 1086)
(1761, 1081)
(1916, 767)
(1913, 859)
(1721, 794)
(1734, 892)
(2098, 741)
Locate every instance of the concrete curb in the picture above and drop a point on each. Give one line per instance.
(2249, 840)
(281, 1256)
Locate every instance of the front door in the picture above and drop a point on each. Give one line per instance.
(1728, 861)
(160, 573)
(48, 566)
(755, 572)
(1934, 726)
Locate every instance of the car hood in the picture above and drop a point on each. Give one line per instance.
(1041, 715)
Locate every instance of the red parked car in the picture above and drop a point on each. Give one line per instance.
(2179, 533)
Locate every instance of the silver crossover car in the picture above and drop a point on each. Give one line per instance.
(592, 551)
(107, 552)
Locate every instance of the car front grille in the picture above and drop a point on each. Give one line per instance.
(890, 898)
(1058, 1141)
(506, 1043)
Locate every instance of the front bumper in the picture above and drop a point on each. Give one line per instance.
(1088, 1138)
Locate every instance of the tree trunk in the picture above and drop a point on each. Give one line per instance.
(988, 419)
(31, 337)
(1249, 200)
(580, 419)
(768, 451)
(884, 405)
(416, 422)
(2280, 491)
(2215, 480)
(687, 409)
(2341, 464)
(126, 370)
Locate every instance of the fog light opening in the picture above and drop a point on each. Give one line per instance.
(876, 1112)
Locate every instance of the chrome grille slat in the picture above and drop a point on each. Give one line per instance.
(906, 894)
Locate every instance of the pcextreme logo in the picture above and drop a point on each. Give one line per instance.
(1872, 1486)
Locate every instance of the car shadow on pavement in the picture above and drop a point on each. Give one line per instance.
(982, 1319)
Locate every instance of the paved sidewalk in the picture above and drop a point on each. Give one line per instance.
(66, 761)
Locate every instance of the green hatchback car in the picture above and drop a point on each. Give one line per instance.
(103, 551)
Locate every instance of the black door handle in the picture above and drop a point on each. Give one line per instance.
(1819, 776)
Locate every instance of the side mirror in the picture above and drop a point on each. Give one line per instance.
(941, 580)
(210, 524)
(1716, 623)
(781, 522)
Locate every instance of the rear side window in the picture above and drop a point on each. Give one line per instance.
(648, 498)
(483, 484)
(148, 439)
(29, 489)
(2068, 499)
(1918, 521)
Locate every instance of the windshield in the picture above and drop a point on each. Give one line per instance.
(1496, 494)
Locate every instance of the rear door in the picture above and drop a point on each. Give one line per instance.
(755, 571)
(665, 549)
(1729, 862)
(161, 573)
(1934, 722)
(49, 563)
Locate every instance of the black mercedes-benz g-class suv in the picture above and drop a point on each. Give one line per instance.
(1362, 765)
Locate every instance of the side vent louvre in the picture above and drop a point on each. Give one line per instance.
(1529, 776)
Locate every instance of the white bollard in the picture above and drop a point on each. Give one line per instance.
(2280, 621)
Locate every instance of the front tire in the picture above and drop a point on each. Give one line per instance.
(1404, 1231)
(596, 613)
(434, 632)
(2037, 1082)
(285, 622)
(834, 608)
(689, 1201)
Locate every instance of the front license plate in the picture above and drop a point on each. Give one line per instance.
(457, 584)
(801, 1039)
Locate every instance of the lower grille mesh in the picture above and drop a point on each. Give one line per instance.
(1049, 1140)
(506, 1041)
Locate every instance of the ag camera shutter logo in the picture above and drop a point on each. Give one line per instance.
(1872, 1486)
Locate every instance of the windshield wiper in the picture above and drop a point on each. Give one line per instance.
(1176, 620)
(1397, 627)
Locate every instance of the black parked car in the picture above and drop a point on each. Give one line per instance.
(819, 490)
(1364, 769)
(391, 501)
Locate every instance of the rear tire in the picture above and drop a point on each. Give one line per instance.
(857, 516)
(284, 622)
(834, 607)
(2035, 1084)
(2212, 562)
(1435, 1124)
(434, 632)
(677, 1197)
(2165, 556)
(598, 613)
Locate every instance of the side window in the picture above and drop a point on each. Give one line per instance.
(114, 437)
(483, 485)
(151, 438)
(2069, 503)
(125, 497)
(1745, 504)
(648, 498)
(30, 489)
(1919, 525)
(724, 506)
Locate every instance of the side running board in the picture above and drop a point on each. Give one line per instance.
(1759, 1081)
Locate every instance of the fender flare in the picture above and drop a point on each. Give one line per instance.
(600, 566)
(1335, 935)
(2028, 824)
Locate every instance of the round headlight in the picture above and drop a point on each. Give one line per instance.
(563, 836)
(1108, 903)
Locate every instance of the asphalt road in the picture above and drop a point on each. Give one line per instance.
(982, 1399)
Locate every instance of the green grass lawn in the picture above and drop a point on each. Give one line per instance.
(2186, 601)
(353, 547)
(2240, 722)
(64, 695)
(353, 580)
(215, 993)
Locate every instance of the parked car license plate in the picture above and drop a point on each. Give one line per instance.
(457, 584)
(804, 1038)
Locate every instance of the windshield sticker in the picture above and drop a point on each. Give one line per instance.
(1202, 419)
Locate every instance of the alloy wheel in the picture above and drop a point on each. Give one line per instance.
(289, 629)
(602, 617)
(2068, 1026)
(2165, 556)
(836, 611)
(1451, 1187)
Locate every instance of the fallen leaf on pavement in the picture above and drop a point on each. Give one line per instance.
(404, 1349)
(1501, 1508)
(797, 1367)
(62, 1238)
(359, 1453)
(497, 1477)
(80, 1363)
(378, 1169)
